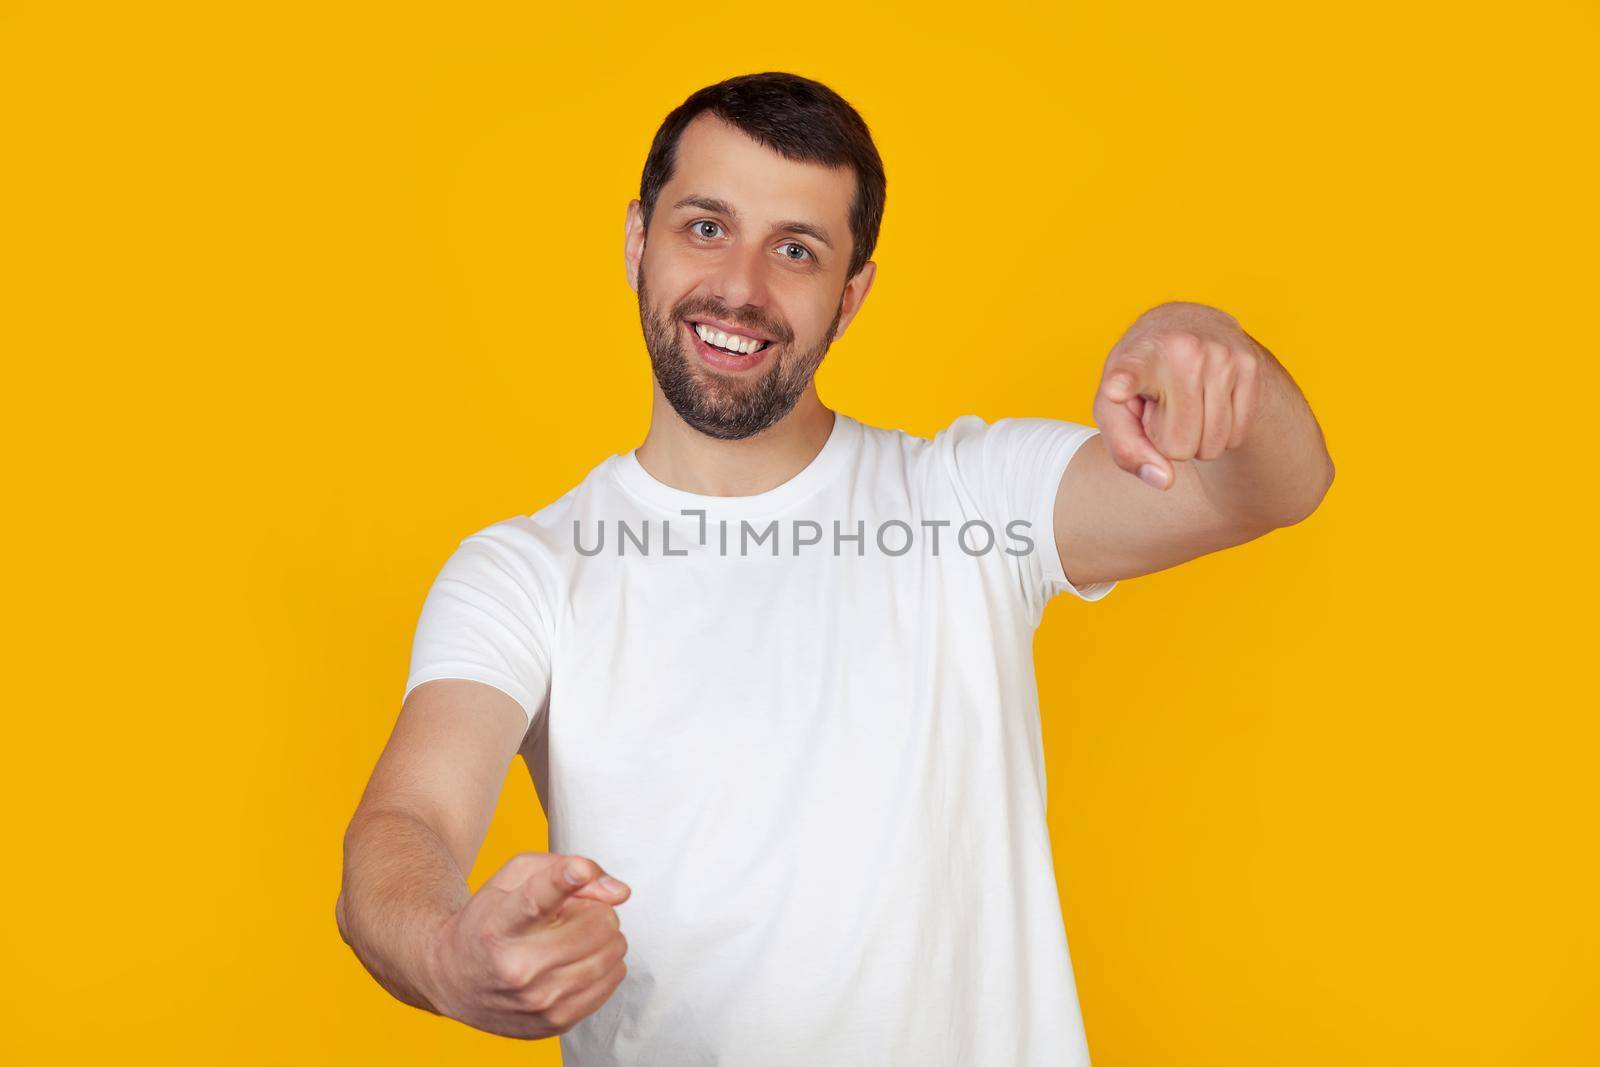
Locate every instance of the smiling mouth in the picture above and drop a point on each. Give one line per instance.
(732, 344)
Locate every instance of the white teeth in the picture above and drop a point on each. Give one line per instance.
(732, 342)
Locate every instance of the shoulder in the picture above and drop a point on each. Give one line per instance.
(880, 443)
(928, 461)
(534, 547)
(960, 443)
(970, 435)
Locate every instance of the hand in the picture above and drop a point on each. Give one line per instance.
(1183, 383)
(531, 953)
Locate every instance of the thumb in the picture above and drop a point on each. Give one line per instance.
(1129, 443)
(541, 897)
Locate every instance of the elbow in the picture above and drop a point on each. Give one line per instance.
(1319, 492)
(1327, 482)
(341, 905)
(339, 918)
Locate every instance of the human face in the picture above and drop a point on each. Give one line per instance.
(744, 241)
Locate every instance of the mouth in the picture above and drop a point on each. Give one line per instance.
(726, 350)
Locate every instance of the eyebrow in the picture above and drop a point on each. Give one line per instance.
(722, 207)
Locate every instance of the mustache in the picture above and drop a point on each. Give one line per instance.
(749, 322)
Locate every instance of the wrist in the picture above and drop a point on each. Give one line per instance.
(432, 979)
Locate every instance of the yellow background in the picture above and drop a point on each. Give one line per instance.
(285, 291)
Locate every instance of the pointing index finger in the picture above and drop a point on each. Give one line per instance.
(1122, 384)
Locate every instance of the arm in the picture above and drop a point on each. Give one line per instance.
(420, 822)
(1221, 445)
(405, 909)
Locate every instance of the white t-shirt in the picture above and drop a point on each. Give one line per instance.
(803, 726)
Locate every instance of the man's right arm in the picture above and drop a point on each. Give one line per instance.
(408, 885)
(419, 825)
(531, 952)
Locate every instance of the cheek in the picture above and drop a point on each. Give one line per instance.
(818, 318)
(669, 270)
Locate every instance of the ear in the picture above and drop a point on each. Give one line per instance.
(633, 243)
(855, 293)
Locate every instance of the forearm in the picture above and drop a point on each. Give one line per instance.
(400, 885)
(1281, 472)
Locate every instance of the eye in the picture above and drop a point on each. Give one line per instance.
(805, 252)
(697, 227)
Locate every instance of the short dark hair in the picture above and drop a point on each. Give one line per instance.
(797, 117)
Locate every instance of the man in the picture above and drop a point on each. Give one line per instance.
(772, 670)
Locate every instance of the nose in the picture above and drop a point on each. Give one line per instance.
(740, 278)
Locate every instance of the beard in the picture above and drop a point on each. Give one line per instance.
(727, 407)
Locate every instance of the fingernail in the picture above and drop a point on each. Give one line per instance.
(612, 885)
(575, 875)
(1152, 474)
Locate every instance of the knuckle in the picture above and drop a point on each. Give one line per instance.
(523, 862)
(561, 1017)
(542, 1001)
(1179, 342)
(595, 969)
(1161, 438)
(1188, 364)
(1125, 456)
(596, 914)
(1179, 446)
(511, 970)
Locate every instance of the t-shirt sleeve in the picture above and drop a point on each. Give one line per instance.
(1011, 469)
(486, 618)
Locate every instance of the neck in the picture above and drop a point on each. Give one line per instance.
(678, 455)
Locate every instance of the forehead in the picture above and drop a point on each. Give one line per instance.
(715, 159)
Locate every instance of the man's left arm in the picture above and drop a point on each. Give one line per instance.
(1205, 442)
